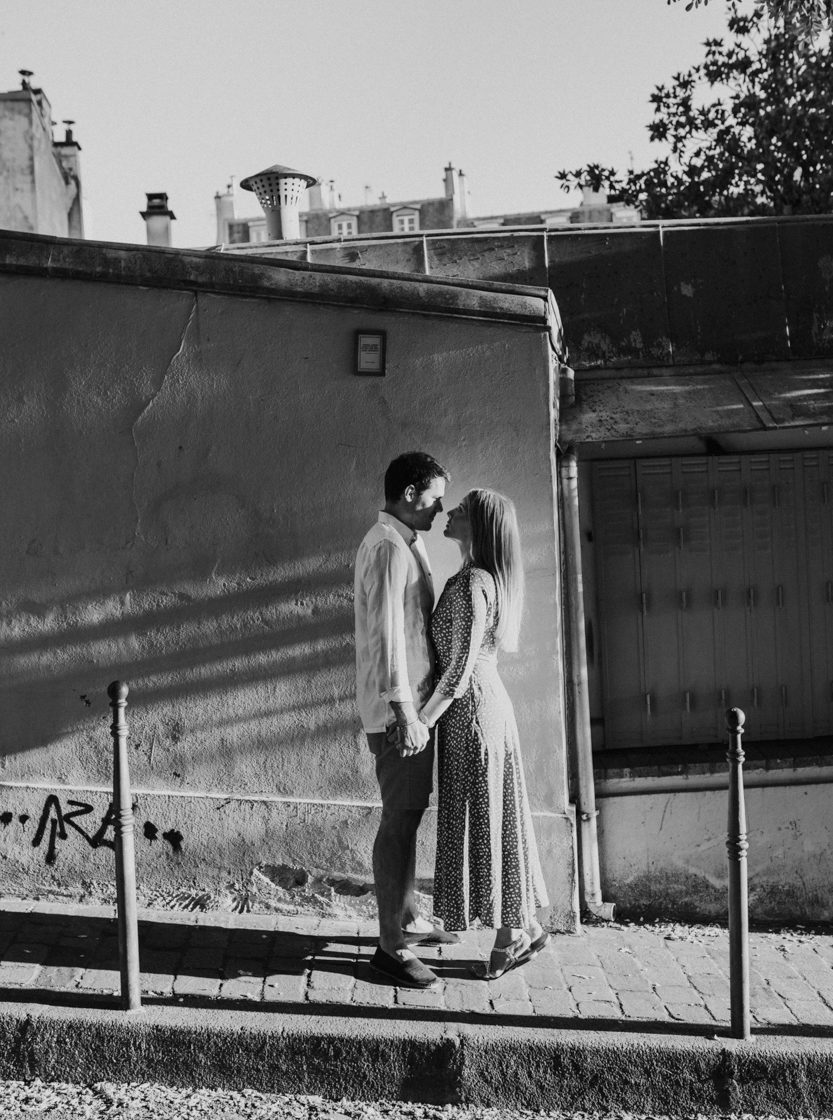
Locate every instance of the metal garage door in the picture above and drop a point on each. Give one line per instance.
(715, 588)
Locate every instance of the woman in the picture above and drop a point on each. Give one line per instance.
(483, 809)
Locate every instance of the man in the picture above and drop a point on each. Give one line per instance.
(394, 597)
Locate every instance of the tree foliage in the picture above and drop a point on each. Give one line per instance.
(807, 18)
(747, 131)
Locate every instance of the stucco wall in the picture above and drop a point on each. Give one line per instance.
(189, 476)
(666, 852)
(17, 202)
(709, 336)
(33, 193)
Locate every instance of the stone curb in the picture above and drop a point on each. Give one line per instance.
(391, 1057)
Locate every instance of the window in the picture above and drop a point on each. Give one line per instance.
(344, 225)
(238, 233)
(405, 221)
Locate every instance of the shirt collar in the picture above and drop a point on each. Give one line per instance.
(408, 535)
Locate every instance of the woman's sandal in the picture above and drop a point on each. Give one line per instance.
(535, 946)
(502, 960)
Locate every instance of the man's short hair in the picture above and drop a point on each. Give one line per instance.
(414, 468)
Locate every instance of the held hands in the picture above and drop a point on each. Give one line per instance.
(409, 733)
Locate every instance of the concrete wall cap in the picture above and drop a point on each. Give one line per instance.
(273, 278)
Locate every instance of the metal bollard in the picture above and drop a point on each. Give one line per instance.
(737, 847)
(131, 999)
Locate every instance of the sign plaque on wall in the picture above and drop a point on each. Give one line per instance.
(370, 353)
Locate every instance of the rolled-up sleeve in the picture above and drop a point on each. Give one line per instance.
(386, 577)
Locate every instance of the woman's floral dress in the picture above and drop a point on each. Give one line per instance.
(487, 860)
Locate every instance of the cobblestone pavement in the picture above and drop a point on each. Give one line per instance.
(608, 976)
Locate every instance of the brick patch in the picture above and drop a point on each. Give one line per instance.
(242, 987)
(471, 998)
(549, 1001)
(101, 980)
(285, 987)
(639, 1005)
(57, 979)
(197, 984)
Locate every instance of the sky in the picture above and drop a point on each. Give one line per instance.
(184, 96)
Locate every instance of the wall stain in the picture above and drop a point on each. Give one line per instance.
(174, 838)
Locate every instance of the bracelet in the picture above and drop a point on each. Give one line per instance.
(422, 719)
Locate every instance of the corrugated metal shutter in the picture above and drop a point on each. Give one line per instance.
(715, 587)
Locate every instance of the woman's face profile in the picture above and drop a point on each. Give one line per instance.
(458, 526)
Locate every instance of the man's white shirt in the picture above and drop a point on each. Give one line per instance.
(394, 597)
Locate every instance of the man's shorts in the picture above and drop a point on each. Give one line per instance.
(405, 783)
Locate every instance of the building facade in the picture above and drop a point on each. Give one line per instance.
(196, 461)
(324, 216)
(696, 450)
(40, 178)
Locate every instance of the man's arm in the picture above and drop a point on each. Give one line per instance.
(387, 577)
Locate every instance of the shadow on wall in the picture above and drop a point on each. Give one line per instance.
(242, 683)
(255, 665)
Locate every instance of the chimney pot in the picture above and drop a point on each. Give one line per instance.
(278, 190)
(158, 217)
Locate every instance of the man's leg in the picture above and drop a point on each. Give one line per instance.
(393, 873)
(410, 913)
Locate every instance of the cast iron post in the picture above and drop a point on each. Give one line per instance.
(131, 999)
(737, 847)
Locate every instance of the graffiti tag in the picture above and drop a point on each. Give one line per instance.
(57, 819)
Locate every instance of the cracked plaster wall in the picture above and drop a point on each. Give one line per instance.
(188, 479)
(666, 853)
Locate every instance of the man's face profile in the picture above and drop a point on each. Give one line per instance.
(427, 504)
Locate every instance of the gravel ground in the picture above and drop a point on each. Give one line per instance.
(62, 1101)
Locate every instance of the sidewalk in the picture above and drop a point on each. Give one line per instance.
(619, 1016)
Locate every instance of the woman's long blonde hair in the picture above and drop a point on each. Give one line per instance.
(496, 547)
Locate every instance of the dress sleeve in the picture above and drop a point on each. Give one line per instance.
(469, 616)
(386, 579)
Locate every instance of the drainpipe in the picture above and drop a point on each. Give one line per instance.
(578, 691)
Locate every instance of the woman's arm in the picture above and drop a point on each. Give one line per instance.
(469, 613)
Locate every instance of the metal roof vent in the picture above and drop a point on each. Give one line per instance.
(279, 190)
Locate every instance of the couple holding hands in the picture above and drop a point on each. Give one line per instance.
(426, 674)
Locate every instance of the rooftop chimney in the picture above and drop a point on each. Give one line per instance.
(68, 153)
(158, 218)
(463, 195)
(25, 75)
(315, 199)
(455, 192)
(224, 206)
(279, 191)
